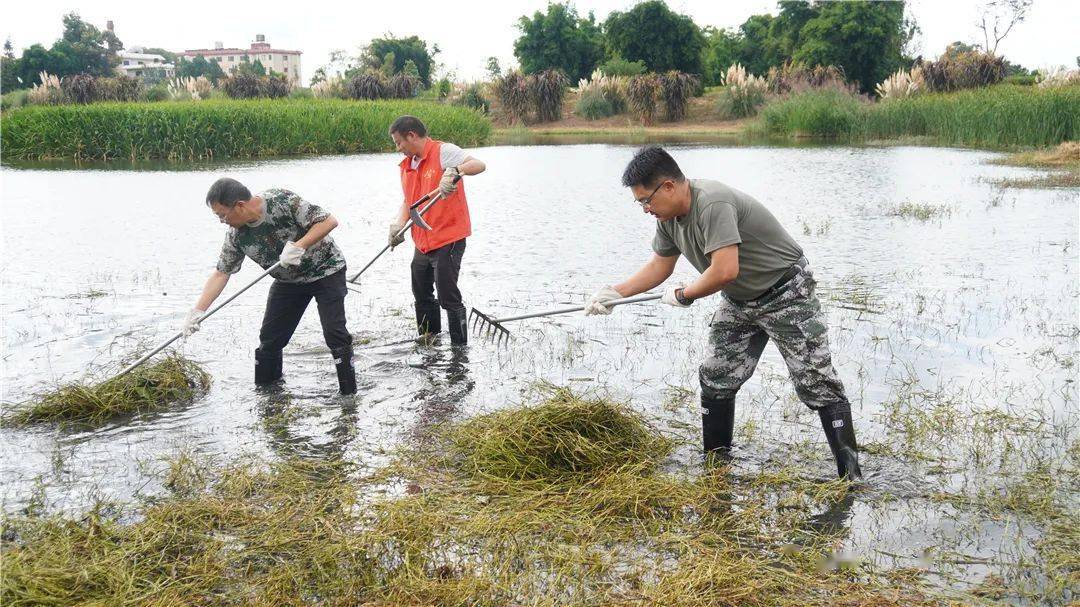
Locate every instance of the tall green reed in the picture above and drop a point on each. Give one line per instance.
(219, 129)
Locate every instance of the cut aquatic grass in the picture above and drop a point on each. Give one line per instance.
(566, 438)
(174, 378)
(315, 533)
(222, 129)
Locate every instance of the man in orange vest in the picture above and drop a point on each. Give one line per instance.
(430, 164)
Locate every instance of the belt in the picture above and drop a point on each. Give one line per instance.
(785, 278)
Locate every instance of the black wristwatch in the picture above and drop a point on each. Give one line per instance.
(684, 300)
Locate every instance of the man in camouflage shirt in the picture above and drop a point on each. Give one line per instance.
(742, 251)
(280, 226)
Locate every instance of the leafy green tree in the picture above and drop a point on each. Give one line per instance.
(199, 66)
(559, 39)
(721, 50)
(757, 50)
(9, 69)
(248, 67)
(493, 69)
(81, 49)
(864, 38)
(87, 49)
(653, 33)
(402, 49)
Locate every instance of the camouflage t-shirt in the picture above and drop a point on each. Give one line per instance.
(286, 217)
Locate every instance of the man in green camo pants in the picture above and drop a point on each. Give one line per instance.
(742, 251)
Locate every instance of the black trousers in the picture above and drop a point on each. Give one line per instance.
(285, 307)
(438, 269)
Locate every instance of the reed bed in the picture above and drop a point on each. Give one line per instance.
(220, 129)
(428, 530)
(997, 117)
(172, 379)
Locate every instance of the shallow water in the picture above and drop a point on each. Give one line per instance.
(975, 308)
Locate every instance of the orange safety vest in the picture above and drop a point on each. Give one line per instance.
(449, 218)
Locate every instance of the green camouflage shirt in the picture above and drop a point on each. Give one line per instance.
(286, 217)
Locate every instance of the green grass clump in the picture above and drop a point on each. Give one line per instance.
(174, 378)
(567, 437)
(998, 117)
(921, 211)
(815, 113)
(222, 129)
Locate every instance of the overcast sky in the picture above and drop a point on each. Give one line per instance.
(469, 32)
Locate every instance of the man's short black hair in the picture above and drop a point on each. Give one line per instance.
(227, 192)
(408, 124)
(649, 166)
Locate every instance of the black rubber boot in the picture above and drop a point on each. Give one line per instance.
(267, 367)
(840, 432)
(717, 425)
(346, 374)
(428, 319)
(457, 322)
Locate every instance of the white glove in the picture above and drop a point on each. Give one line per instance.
(446, 184)
(290, 255)
(394, 240)
(191, 323)
(595, 304)
(672, 300)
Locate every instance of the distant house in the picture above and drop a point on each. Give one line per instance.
(139, 64)
(278, 60)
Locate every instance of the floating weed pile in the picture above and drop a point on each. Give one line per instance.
(430, 529)
(173, 378)
(566, 439)
(222, 129)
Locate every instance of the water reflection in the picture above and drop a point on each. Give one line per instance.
(445, 383)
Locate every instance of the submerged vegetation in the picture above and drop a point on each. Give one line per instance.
(172, 379)
(221, 129)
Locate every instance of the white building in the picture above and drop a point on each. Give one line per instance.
(137, 63)
(279, 60)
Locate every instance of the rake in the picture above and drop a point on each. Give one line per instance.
(416, 217)
(493, 329)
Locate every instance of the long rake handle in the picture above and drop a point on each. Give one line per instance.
(209, 312)
(434, 196)
(614, 302)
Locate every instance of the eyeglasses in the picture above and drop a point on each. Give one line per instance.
(224, 218)
(644, 202)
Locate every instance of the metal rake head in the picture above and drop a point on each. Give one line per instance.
(488, 328)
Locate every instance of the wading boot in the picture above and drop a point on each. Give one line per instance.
(346, 374)
(428, 319)
(267, 367)
(458, 325)
(840, 433)
(717, 426)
